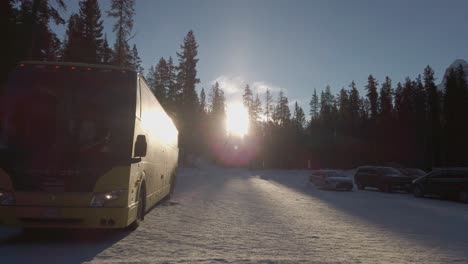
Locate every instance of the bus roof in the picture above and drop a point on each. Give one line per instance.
(77, 64)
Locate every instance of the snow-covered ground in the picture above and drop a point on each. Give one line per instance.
(234, 215)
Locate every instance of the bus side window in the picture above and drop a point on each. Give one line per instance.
(138, 100)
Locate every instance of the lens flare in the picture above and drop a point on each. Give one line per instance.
(237, 120)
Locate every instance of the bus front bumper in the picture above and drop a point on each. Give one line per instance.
(66, 217)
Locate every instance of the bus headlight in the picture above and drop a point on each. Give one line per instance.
(7, 198)
(99, 199)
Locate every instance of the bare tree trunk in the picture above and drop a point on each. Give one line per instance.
(35, 8)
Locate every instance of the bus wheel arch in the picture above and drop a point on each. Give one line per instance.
(140, 214)
(142, 201)
(173, 181)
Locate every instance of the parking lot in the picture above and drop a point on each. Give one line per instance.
(241, 216)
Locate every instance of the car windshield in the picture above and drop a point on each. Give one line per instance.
(390, 171)
(335, 174)
(413, 172)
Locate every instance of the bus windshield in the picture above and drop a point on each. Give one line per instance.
(67, 117)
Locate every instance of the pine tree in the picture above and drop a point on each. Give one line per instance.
(455, 105)
(106, 52)
(186, 82)
(327, 105)
(136, 60)
(217, 111)
(384, 121)
(314, 106)
(282, 114)
(298, 117)
(398, 100)
(203, 100)
(92, 44)
(420, 121)
(354, 102)
(217, 102)
(268, 105)
(343, 103)
(36, 18)
(420, 99)
(386, 105)
(161, 80)
(407, 100)
(248, 100)
(256, 109)
(150, 78)
(123, 11)
(434, 117)
(247, 97)
(187, 72)
(73, 39)
(372, 96)
(173, 90)
(364, 106)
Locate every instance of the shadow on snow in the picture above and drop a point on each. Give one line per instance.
(55, 245)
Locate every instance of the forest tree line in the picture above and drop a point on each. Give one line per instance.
(412, 123)
(28, 35)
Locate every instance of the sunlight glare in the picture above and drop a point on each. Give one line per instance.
(237, 120)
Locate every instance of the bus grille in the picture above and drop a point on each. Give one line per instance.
(51, 221)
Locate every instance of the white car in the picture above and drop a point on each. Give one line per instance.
(331, 179)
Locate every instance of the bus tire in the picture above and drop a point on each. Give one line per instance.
(173, 183)
(172, 187)
(140, 209)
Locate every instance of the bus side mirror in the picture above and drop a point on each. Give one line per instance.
(140, 146)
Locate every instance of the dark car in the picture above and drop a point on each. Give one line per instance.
(412, 172)
(451, 183)
(385, 179)
(331, 179)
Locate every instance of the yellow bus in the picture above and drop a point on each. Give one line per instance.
(82, 146)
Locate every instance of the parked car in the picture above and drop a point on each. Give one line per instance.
(412, 172)
(331, 179)
(449, 183)
(385, 179)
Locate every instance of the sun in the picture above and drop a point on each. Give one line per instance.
(237, 120)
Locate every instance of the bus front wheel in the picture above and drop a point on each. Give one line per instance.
(140, 209)
(173, 183)
(172, 186)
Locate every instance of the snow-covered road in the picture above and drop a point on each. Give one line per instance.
(234, 215)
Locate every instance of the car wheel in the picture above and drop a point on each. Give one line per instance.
(386, 188)
(360, 186)
(409, 189)
(463, 197)
(418, 191)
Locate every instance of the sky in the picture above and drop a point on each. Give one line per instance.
(299, 45)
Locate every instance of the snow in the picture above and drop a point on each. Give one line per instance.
(454, 65)
(239, 216)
